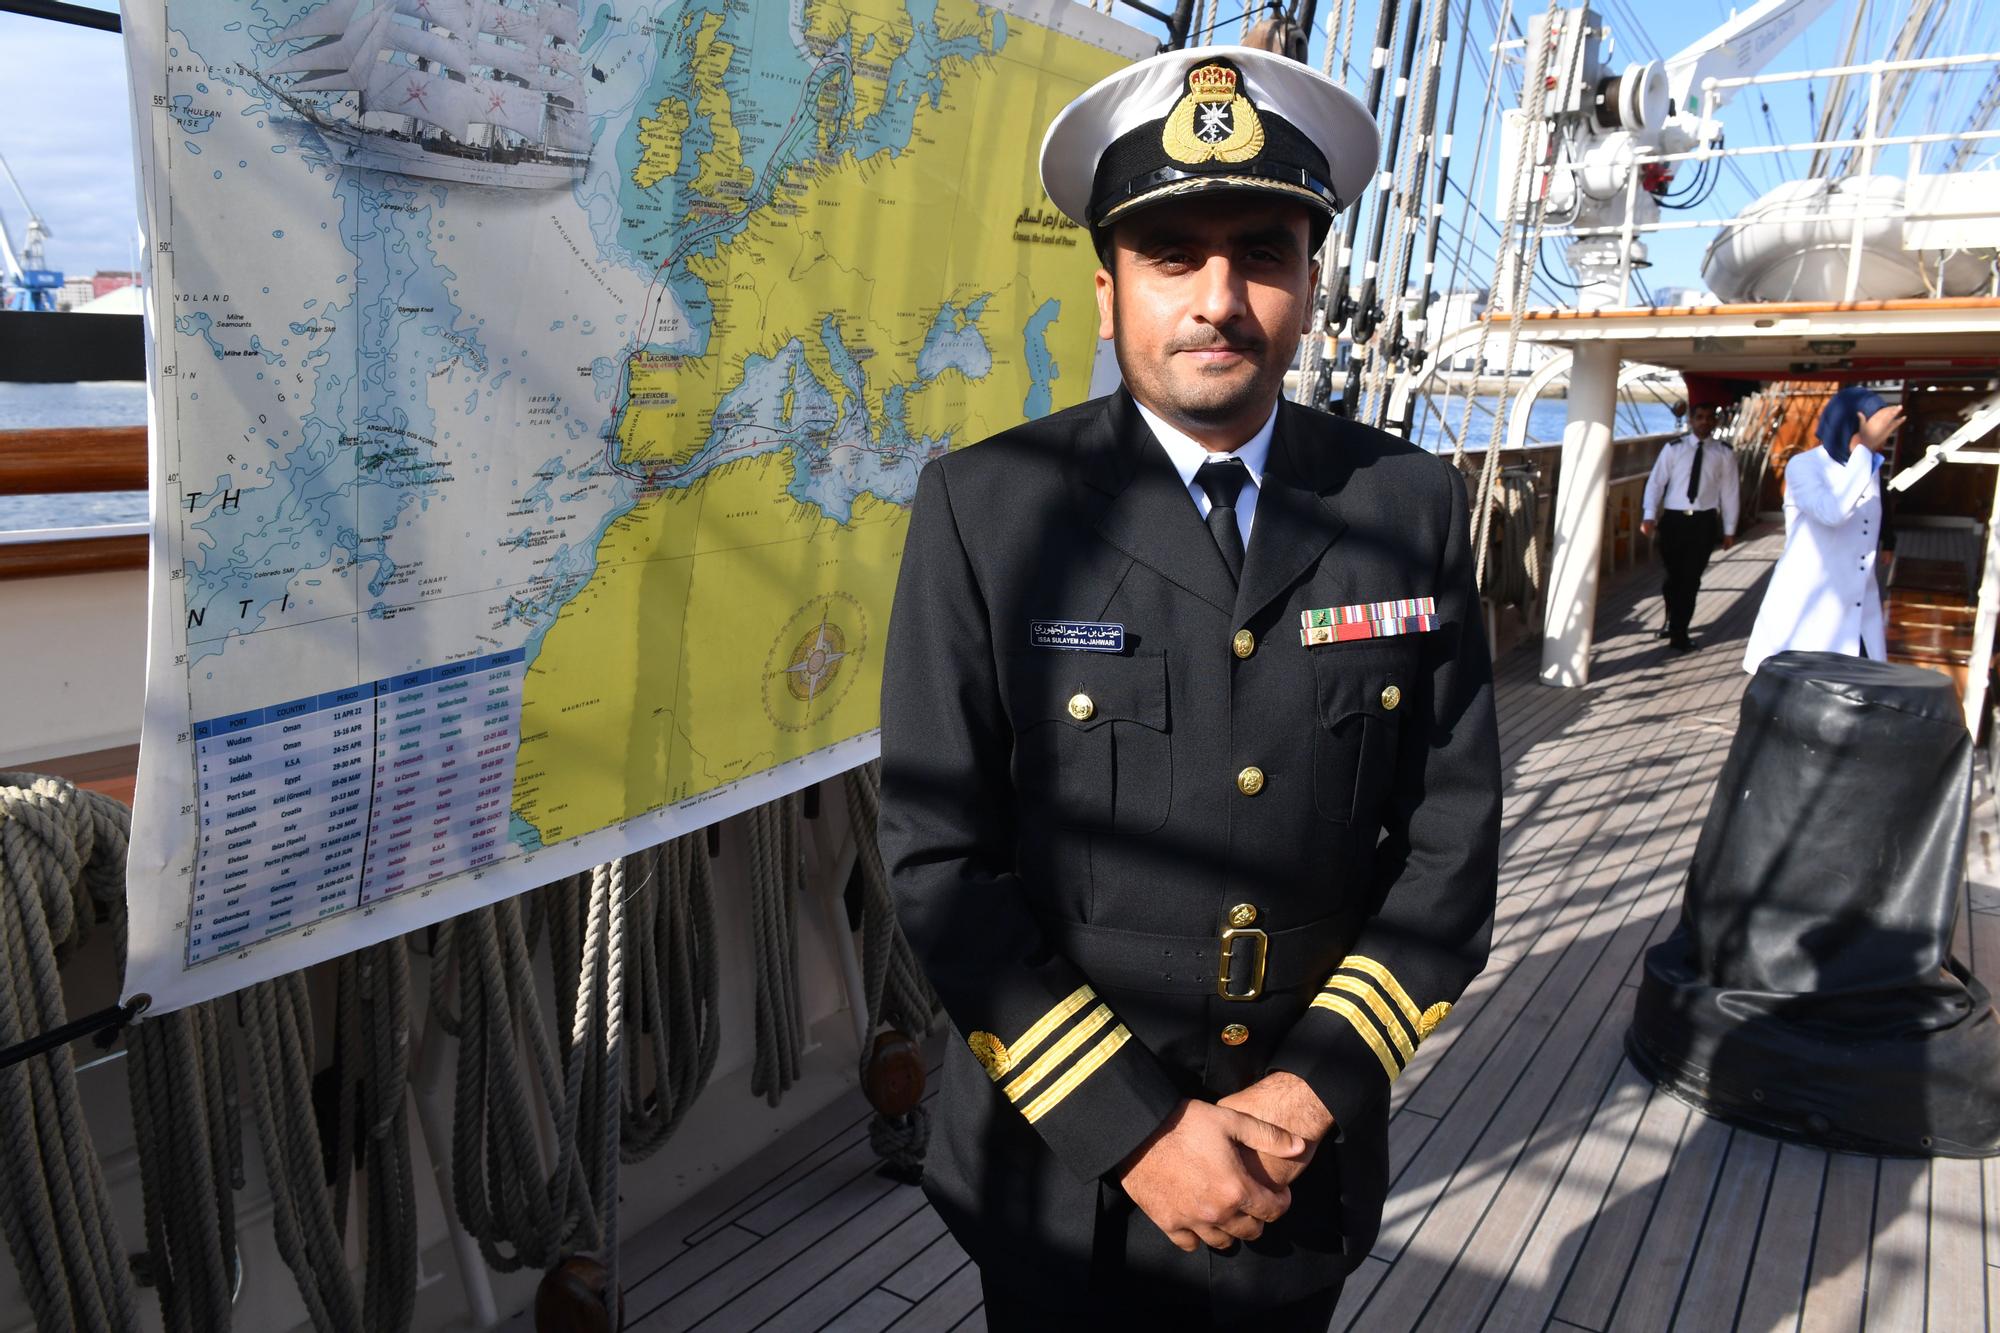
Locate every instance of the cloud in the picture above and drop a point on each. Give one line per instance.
(66, 112)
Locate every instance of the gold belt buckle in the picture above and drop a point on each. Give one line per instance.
(1229, 938)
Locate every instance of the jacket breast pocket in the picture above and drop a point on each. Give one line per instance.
(1363, 693)
(1091, 749)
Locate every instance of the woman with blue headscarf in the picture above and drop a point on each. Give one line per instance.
(1823, 596)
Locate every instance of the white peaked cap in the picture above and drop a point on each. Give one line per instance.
(1300, 135)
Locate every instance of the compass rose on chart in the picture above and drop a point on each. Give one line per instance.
(813, 661)
(817, 660)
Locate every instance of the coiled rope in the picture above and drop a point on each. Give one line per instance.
(522, 1210)
(898, 993)
(777, 877)
(278, 1040)
(372, 1065)
(181, 1077)
(62, 855)
(372, 1006)
(671, 959)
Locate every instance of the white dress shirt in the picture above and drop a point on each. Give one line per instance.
(1667, 486)
(1188, 455)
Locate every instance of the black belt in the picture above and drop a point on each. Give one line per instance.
(1258, 961)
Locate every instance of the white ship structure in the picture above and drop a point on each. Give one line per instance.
(475, 91)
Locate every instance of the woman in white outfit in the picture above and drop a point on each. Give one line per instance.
(1822, 596)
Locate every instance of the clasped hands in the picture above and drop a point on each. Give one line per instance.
(1214, 1174)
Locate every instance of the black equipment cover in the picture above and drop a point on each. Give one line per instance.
(1809, 991)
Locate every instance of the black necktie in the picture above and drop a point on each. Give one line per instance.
(1222, 482)
(1694, 476)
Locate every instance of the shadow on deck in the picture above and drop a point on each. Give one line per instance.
(1539, 1182)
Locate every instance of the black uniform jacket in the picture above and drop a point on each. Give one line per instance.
(1070, 833)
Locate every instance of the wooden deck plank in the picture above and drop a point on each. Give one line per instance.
(1775, 1290)
(825, 1297)
(1589, 891)
(1837, 1291)
(922, 1274)
(1536, 1280)
(871, 1314)
(1899, 1260)
(647, 1291)
(1354, 1295)
(1502, 1227)
(824, 1179)
(947, 1305)
(1989, 1171)
(703, 1298)
(1463, 1015)
(1715, 1281)
(1598, 1274)
(1658, 1271)
(1598, 949)
(1957, 1289)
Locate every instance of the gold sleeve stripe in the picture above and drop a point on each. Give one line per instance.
(1373, 999)
(1343, 1006)
(1061, 1051)
(1024, 1045)
(1076, 1074)
(1369, 967)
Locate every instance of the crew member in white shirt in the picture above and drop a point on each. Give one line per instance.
(1691, 501)
(1822, 595)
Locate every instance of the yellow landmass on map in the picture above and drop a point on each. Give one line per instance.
(660, 142)
(689, 660)
(722, 173)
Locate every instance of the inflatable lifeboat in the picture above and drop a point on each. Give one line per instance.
(1792, 245)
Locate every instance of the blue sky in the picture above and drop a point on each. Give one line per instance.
(64, 125)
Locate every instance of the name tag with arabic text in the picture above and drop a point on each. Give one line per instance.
(1077, 636)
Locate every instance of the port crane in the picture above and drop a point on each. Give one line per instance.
(26, 282)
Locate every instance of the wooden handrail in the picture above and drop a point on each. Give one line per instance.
(72, 460)
(81, 555)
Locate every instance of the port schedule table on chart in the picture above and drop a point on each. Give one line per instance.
(337, 800)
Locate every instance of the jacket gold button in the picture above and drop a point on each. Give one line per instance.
(1081, 708)
(1241, 915)
(1235, 1035)
(1391, 696)
(1250, 781)
(1244, 644)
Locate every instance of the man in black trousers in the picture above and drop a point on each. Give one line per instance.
(1190, 786)
(1691, 501)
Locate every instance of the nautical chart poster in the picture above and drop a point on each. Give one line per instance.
(539, 390)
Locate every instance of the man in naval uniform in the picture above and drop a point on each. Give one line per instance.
(1190, 787)
(1691, 502)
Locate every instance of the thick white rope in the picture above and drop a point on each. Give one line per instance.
(676, 982)
(898, 993)
(62, 853)
(278, 1040)
(372, 1026)
(181, 1076)
(777, 876)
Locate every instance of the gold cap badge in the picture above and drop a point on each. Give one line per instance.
(990, 1051)
(1213, 121)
